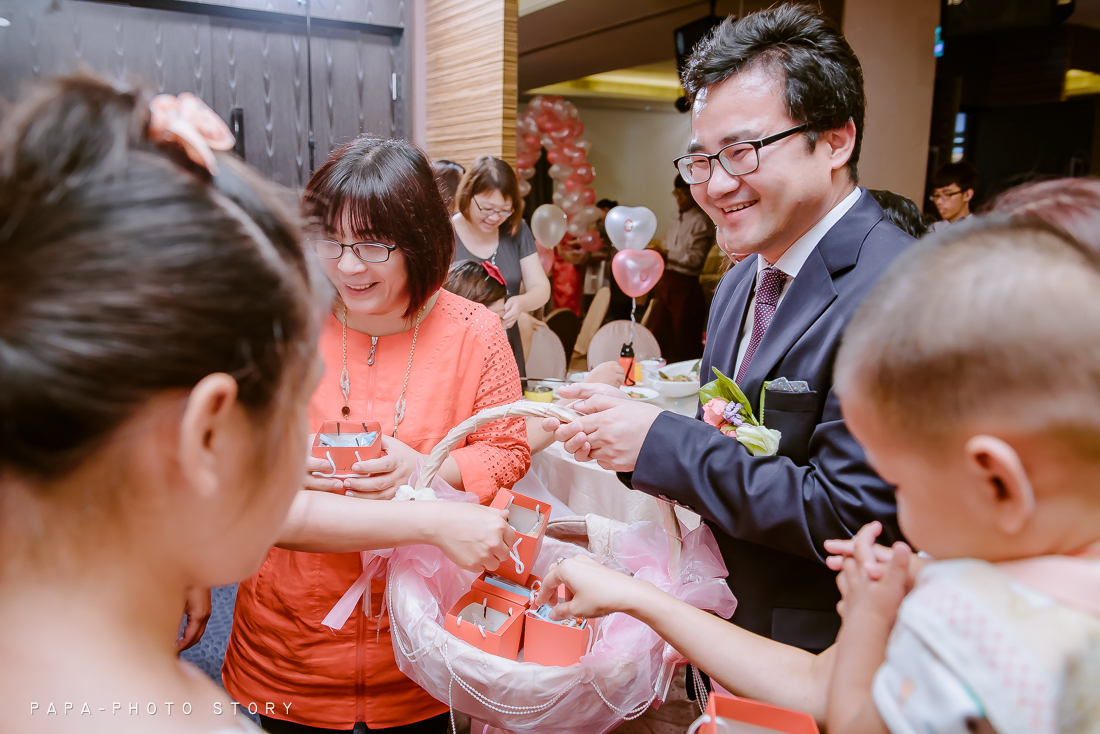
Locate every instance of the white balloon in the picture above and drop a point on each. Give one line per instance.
(572, 202)
(559, 109)
(630, 227)
(560, 172)
(527, 173)
(534, 107)
(591, 213)
(548, 224)
(547, 141)
(576, 226)
(585, 145)
(558, 197)
(524, 187)
(571, 109)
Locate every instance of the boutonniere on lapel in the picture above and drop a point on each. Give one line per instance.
(726, 408)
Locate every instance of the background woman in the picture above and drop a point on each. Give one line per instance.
(490, 226)
(419, 361)
(157, 349)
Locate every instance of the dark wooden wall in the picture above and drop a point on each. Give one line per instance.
(247, 54)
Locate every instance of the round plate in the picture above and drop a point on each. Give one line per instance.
(646, 393)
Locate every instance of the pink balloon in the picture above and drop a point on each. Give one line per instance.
(590, 241)
(546, 257)
(586, 172)
(527, 159)
(555, 155)
(533, 142)
(547, 123)
(574, 156)
(574, 183)
(576, 126)
(637, 271)
(562, 135)
(589, 196)
(549, 100)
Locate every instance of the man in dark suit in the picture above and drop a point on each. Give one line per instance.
(777, 121)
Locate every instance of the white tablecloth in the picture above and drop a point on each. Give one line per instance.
(585, 488)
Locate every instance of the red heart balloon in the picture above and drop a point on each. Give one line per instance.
(637, 271)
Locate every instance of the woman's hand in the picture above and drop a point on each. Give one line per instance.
(512, 310)
(382, 476)
(320, 484)
(596, 590)
(476, 538)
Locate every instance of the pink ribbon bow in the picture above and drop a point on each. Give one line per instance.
(187, 121)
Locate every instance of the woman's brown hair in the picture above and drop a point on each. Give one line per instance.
(491, 174)
(127, 272)
(385, 191)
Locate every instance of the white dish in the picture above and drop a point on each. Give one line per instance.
(677, 389)
(648, 393)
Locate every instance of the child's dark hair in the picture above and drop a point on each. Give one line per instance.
(472, 281)
(126, 272)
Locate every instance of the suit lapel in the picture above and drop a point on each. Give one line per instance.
(808, 297)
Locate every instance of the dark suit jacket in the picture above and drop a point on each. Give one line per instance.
(771, 514)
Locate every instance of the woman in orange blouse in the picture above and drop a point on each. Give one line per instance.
(386, 245)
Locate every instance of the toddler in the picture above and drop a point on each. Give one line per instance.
(971, 376)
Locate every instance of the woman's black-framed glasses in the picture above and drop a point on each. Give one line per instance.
(738, 159)
(368, 252)
(493, 212)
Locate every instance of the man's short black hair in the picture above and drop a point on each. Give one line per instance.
(606, 204)
(963, 174)
(824, 80)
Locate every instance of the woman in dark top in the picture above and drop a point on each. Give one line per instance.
(489, 226)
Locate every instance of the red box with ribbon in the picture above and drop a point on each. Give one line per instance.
(490, 615)
(547, 642)
(528, 517)
(343, 443)
(726, 713)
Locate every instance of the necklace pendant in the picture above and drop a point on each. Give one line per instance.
(345, 384)
(373, 346)
(399, 411)
(346, 411)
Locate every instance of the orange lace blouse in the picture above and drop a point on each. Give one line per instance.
(279, 651)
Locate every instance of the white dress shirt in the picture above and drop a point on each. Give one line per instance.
(791, 262)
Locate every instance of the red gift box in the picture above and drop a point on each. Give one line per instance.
(490, 617)
(528, 517)
(743, 715)
(553, 643)
(341, 458)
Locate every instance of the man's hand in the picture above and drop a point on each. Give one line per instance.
(610, 431)
(197, 608)
(862, 594)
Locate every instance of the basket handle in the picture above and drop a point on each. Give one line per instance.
(520, 409)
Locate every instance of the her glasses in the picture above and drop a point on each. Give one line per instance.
(738, 159)
(368, 252)
(492, 212)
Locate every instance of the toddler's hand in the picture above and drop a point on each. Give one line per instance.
(596, 590)
(881, 555)
(862, 594)
(609, 373)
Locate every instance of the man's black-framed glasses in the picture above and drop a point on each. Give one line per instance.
(738, 159)
(368, 252)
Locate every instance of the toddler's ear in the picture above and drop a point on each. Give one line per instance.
(1010, 495)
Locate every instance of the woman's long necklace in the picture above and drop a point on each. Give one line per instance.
(345, 378)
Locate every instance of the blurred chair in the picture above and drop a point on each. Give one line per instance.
(567, 325)
(608, 343)
(592, 320)
(547, 357)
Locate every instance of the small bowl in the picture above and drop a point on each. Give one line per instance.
(677, 389)
(539, 393)
(646, 393)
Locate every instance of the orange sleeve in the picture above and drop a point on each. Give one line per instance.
(496, 455)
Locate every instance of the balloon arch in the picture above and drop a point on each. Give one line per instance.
(552, 123)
